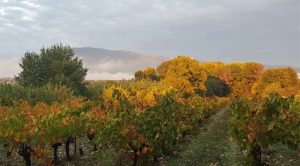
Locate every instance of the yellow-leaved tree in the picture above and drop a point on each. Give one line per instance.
(249, 74)
(183, 73)
(213, 68)
(147, 74)
(162, 69)
(241, 76)
(231, 73)
(282, 80)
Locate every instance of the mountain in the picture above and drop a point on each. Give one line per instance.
(106, 64)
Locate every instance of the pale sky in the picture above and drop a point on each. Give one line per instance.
(266, 31)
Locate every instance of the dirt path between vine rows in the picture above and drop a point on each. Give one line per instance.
(212, 147)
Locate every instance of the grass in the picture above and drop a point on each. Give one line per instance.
(209, 147)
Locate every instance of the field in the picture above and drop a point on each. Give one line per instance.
(210, 146)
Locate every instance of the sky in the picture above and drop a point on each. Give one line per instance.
(266, 31)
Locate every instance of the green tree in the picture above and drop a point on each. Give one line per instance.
(216, 87)
(56, 65)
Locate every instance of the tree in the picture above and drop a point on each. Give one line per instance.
(55, 65)
(184, 73)
(216, 87)
(283, 81)
(213, 68)
(231, 73)
(249, 74)
(31, 74)
(148, 74)
(162, 69)
(241, 76)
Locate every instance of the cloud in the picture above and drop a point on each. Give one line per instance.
(18, 12)
(5, 1)
(255, 30)
(31, 3)
(10, 68)
(109, 76)
(106, 66)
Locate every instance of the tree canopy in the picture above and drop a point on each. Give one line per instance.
(283, 81)
(240, 77)
(184, 73)
(213, 68)
(216, 87)
(250, 72)
(55, 65)
(148, 74)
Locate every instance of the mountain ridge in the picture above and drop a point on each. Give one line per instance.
(115, 64)
(106, 64)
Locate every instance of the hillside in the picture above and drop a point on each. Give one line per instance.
(114, 64)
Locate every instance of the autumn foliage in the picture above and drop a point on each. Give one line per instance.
(145, 117)
(183, 73)
(256, 124)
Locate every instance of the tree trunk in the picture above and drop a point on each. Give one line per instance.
(25, 152)
(9, 152)
(55, 154)
(155, 160)
(55, 149)
(256, 155)
(81, 151)
(135, 156)
(95, 147)
(67, 148)
(27, 161)
(135, 159)
(75, 146)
